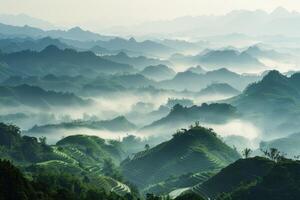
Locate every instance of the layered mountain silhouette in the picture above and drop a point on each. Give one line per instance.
(53, 60)
(219, 89)
(20, 44)
(264, 100)
(216, 58)
(25, 95)
(181, 116)
(139, 62)
(75, 33)
(158, 72)
(195, 82)
(116, 124)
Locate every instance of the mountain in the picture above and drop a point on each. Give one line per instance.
(288, 145)
(158, 72)
(20, 44)
(258, 52)
(25, 95)
(53, 60)
(22, 20)
(138, 62)
(231, 59)
(6, 72)
(183, 45)
(197, 70)
(195, 82)
(194, 150)
(273, 90)
(147, 47)
(76, 33)
(205, 25)
(275, 93)
(219, 89)
(181, 116)
(117, 124)
(73, 84)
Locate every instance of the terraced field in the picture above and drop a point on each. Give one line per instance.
(72, 159)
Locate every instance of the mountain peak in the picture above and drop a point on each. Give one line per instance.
(75, 29)
(122, 54)
(274, 75)
(132, 40)
(50, 49)
(280, 12)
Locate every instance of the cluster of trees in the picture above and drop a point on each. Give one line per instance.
(272, 153)
(22, 148)
(49, 186)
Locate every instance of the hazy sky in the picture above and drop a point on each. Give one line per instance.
(129, 12)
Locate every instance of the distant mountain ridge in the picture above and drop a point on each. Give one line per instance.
(75, 33)
(219, 89)
(158, 72)
(53, 60)
(116, 124)
(36, 97)
(195, 82)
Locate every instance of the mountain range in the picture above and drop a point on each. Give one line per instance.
(52, 60)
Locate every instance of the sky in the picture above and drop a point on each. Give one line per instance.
(107, 13)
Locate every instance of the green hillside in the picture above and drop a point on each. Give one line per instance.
(281, 182)
(229, 178)
(189, 151)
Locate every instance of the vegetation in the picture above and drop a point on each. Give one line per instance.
(48, 186)
(189, 151)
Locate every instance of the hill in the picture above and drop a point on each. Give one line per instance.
(53, 60)
(147, 47)
(272, 90)
(181, 116)
(219, 89)
(139, 62)
(194, 150)
(75, 33)
(280, 182)
(197, 70)
(11, 45)
(229, 178)
(195, 81)
(158, 72)
(116, 124)
(90, 150)
(88, 158)
(32, 96)
(215, 58)
(275, 93)
(289, 144)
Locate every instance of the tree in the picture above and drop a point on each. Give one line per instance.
(43, 140)
(273, 154)
(246, 153)
(147, 147)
